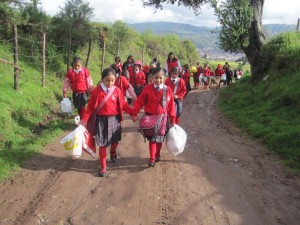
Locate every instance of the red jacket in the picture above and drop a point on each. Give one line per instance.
(219, 72)
(171, 64)
(186, 76)
(80, 82)
(151, 100)
(181, 90)
(123, 84)
(114, 105)
(137, 78)
(206, 72)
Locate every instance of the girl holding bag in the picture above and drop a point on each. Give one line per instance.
(156, 99)
(105, 108)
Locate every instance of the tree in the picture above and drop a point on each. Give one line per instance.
(250, 37)
(35, 20)
(71, 26)
(119, 34)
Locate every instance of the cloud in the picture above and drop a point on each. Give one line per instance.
(132, 11)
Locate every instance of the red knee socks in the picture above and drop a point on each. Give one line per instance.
(154, 149)
(158, 148)
(113, 149)
(102, 156)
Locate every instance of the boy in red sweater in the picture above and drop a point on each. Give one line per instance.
(80, 81)
(151, 100)
(178, 87)
(109, 117)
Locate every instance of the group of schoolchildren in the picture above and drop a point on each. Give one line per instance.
(147, 88)
(207, 77)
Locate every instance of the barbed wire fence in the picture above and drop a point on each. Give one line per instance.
(35, 56)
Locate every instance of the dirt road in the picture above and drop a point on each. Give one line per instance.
(221, 178)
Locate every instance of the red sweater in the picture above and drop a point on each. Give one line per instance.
(181, 90)
(219, 72)
(138, 79)
(186, 76)
(151, 100)
(206, 72)
(114, 105)
(80, 82)
(171, 64)
(123, 84)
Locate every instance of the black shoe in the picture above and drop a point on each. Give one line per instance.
(113, 158)
(151, 164)
(102, 173)
(157, 159)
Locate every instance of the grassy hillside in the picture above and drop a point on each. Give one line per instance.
(269, 110)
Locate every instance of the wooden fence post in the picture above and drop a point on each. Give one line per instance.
(44, 61)
(16, 59)
(298, 25)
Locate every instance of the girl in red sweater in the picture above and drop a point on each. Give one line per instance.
(138, 78)
(178, 87)
(151, 99)
(81, 83)
(186, 76)
(171, 62)
(109, 117)
(122, 83)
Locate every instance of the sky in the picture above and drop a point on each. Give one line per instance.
(132, 11)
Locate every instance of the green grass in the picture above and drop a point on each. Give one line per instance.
(270, 110)
(29, 118)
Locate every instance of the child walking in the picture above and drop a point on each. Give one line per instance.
(151, 99)
(178, 87)
(108, 118)
(80, 81)
(138, 78)
(122, 83)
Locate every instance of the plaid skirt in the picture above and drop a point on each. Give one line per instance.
(107, 130)
(158, 138)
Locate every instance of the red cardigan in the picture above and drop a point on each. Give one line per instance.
(137, 79)
(123, 84)
(151, 100)
(114, 105)
(181, 90)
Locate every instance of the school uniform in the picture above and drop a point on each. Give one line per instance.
(206, 74)
(151, 100)
(80, 83)
(137, 80)
(109, 117)
(180, 92)
(170, 64)
(186, 76)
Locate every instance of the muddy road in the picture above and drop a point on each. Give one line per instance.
(222, 177)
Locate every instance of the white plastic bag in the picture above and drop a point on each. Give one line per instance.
(223, 77)
(66, 105)
(176, 140)
(73, 141)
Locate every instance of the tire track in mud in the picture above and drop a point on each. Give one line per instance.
(29, 211)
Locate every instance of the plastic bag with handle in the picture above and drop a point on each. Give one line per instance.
(176, 140)
(73, 141)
